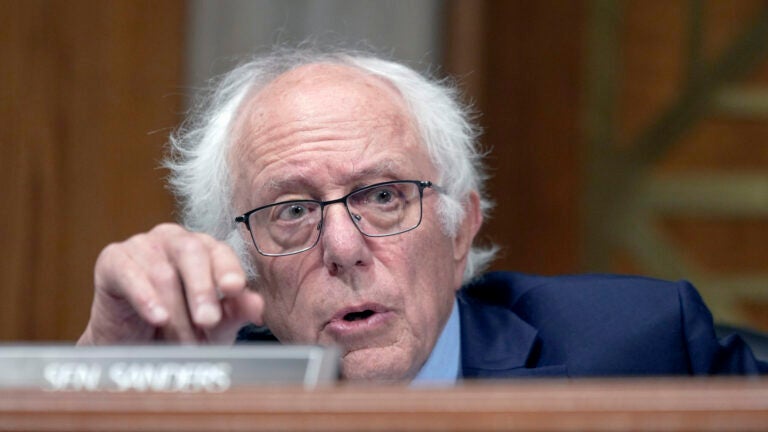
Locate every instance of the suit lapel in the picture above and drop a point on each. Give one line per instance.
(496, 343)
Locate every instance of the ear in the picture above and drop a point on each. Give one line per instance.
(468, 228)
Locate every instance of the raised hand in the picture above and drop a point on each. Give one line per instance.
(169, 284)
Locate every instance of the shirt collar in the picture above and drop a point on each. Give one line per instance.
(444, 363)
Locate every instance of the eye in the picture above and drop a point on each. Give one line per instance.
(291, 212)
(382, 195)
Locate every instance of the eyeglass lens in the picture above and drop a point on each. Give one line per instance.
(377, 211)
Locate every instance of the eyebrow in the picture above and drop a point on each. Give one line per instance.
(301, 181)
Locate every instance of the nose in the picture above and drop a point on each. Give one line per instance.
(344, 247)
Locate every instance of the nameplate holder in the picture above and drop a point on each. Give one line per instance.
(165, 368)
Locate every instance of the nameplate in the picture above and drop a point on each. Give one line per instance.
(165, 368)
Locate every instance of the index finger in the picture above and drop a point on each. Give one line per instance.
(209, 271)
(228, 274)
(191, 257)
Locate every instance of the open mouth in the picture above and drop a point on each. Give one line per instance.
(357, 316)
(363, 317)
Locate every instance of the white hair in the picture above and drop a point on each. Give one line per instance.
(198, 158)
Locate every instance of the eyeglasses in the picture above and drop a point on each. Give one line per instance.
(379, 210)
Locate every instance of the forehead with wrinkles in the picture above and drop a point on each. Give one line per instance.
(312, 101)
(310, 91)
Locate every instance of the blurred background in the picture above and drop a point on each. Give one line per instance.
(626, 136)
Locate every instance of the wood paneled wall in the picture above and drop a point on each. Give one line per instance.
(521, 63)
(656, 69)
(88, 93)
(524, 63)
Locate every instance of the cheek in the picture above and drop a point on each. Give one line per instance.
(275, 313)
(430, 264)
(279, 277)
(287, 321)
(434, 250)
(279, 284)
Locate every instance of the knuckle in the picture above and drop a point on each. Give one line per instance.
(163, 275)
(139, 245)
(223, 250)
(109, 253)
(167, 228)
(106, 263)
(112, 258)
(206, 238)
(140, 300)
(188, 245)
(136, 241)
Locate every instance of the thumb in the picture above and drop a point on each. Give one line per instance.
(248, 307)
(245, 308)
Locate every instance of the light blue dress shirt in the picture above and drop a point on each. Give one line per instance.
(444, 363)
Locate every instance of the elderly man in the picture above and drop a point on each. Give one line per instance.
(334, 198)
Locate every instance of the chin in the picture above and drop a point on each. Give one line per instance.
(378, 365)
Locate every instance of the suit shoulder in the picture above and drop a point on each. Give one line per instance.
(580, 310)
(509, 288)
(596, 324)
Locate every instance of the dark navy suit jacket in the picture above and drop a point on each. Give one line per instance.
(515, 325)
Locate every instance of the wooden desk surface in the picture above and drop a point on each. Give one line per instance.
(595, 405)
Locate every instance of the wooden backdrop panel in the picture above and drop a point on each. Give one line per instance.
(522, 65)
(88, 94)
(526, 65)
(658, 65)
